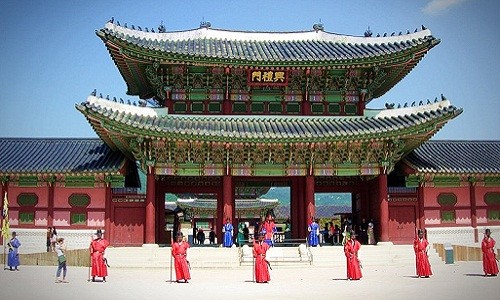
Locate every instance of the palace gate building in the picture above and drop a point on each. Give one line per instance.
(228, 114)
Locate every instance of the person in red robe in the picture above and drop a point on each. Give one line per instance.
(269, 228)
(351, 248)
(420, 246)
(179, 252)
(261, 266)
(98, 262)
(490, 266)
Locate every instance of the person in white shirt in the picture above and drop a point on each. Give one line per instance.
(60, 248)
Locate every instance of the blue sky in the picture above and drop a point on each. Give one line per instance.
(51, 58)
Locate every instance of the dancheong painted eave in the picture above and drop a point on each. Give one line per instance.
(111, 118)
(257, 48)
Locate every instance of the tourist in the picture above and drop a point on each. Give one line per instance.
(351, 248)
(246, 233)
(211, 236)
(313, 237)
(288, 230)
(490, 266)
(179, 252)
(363, 231)
(240, 238)
(200, 236)
(337, 235)
(261, 264)
(227, 229)
(13, 260)
(421, 245)
(371, 233)
(97, 248)
(49, 235)
(53, 239)
(61, 260)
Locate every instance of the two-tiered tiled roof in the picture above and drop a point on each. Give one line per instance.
(58, 156)
(456, 157)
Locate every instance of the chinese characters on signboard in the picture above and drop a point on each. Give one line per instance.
(267, 77)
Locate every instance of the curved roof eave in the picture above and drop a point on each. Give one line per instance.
(130, 121)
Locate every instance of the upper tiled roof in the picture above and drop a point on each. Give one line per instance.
(263, 128)
(56, 155)
(469, 157)
(268, 47)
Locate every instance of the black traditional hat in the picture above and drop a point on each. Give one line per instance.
(420, 231)
(99, 231)
(353, 233)
(487, 230)
(179, 234)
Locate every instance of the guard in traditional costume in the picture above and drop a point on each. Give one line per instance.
(97, 248)
(181, 264)
(351, 248)
(490, 266)
(261, 264)
(228, 229)
(269, 229)
(313, 237)
(13, 258)
(420, 246)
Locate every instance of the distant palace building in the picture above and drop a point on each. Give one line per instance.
(226, 115)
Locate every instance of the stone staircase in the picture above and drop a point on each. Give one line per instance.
(227, 258)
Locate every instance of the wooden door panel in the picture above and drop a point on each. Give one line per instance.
(129, 226)
(402, 224)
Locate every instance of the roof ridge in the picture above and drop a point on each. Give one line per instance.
(225, 34)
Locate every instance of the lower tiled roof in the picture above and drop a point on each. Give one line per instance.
(58, 155)
(452, 157)
(260, 128)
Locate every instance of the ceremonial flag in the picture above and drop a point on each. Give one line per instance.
(5, 215)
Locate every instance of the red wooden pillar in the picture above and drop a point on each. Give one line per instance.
(228, 198)
(301, 208)
(50, 203)
(384, 207)
(294, 207)
(107, 213)
(473, 210)
(309, 199)
(3, 190)
(421, 210)
(150, 207)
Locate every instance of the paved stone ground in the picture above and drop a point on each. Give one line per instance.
(462, 280)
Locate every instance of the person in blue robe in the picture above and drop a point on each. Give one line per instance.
(313, 237)
(228, 234)
(13, 260)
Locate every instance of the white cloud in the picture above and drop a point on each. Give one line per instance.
(437, 6)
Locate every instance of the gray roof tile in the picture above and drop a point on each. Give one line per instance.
(57, 155)
(456, 157)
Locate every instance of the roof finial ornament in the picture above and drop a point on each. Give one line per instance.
(112, 20)
(423, 27)
(443, 97)
(368, 32)
(161, 28)
(318, 26)
(94, 92)
(139, 28)
(204, 24)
